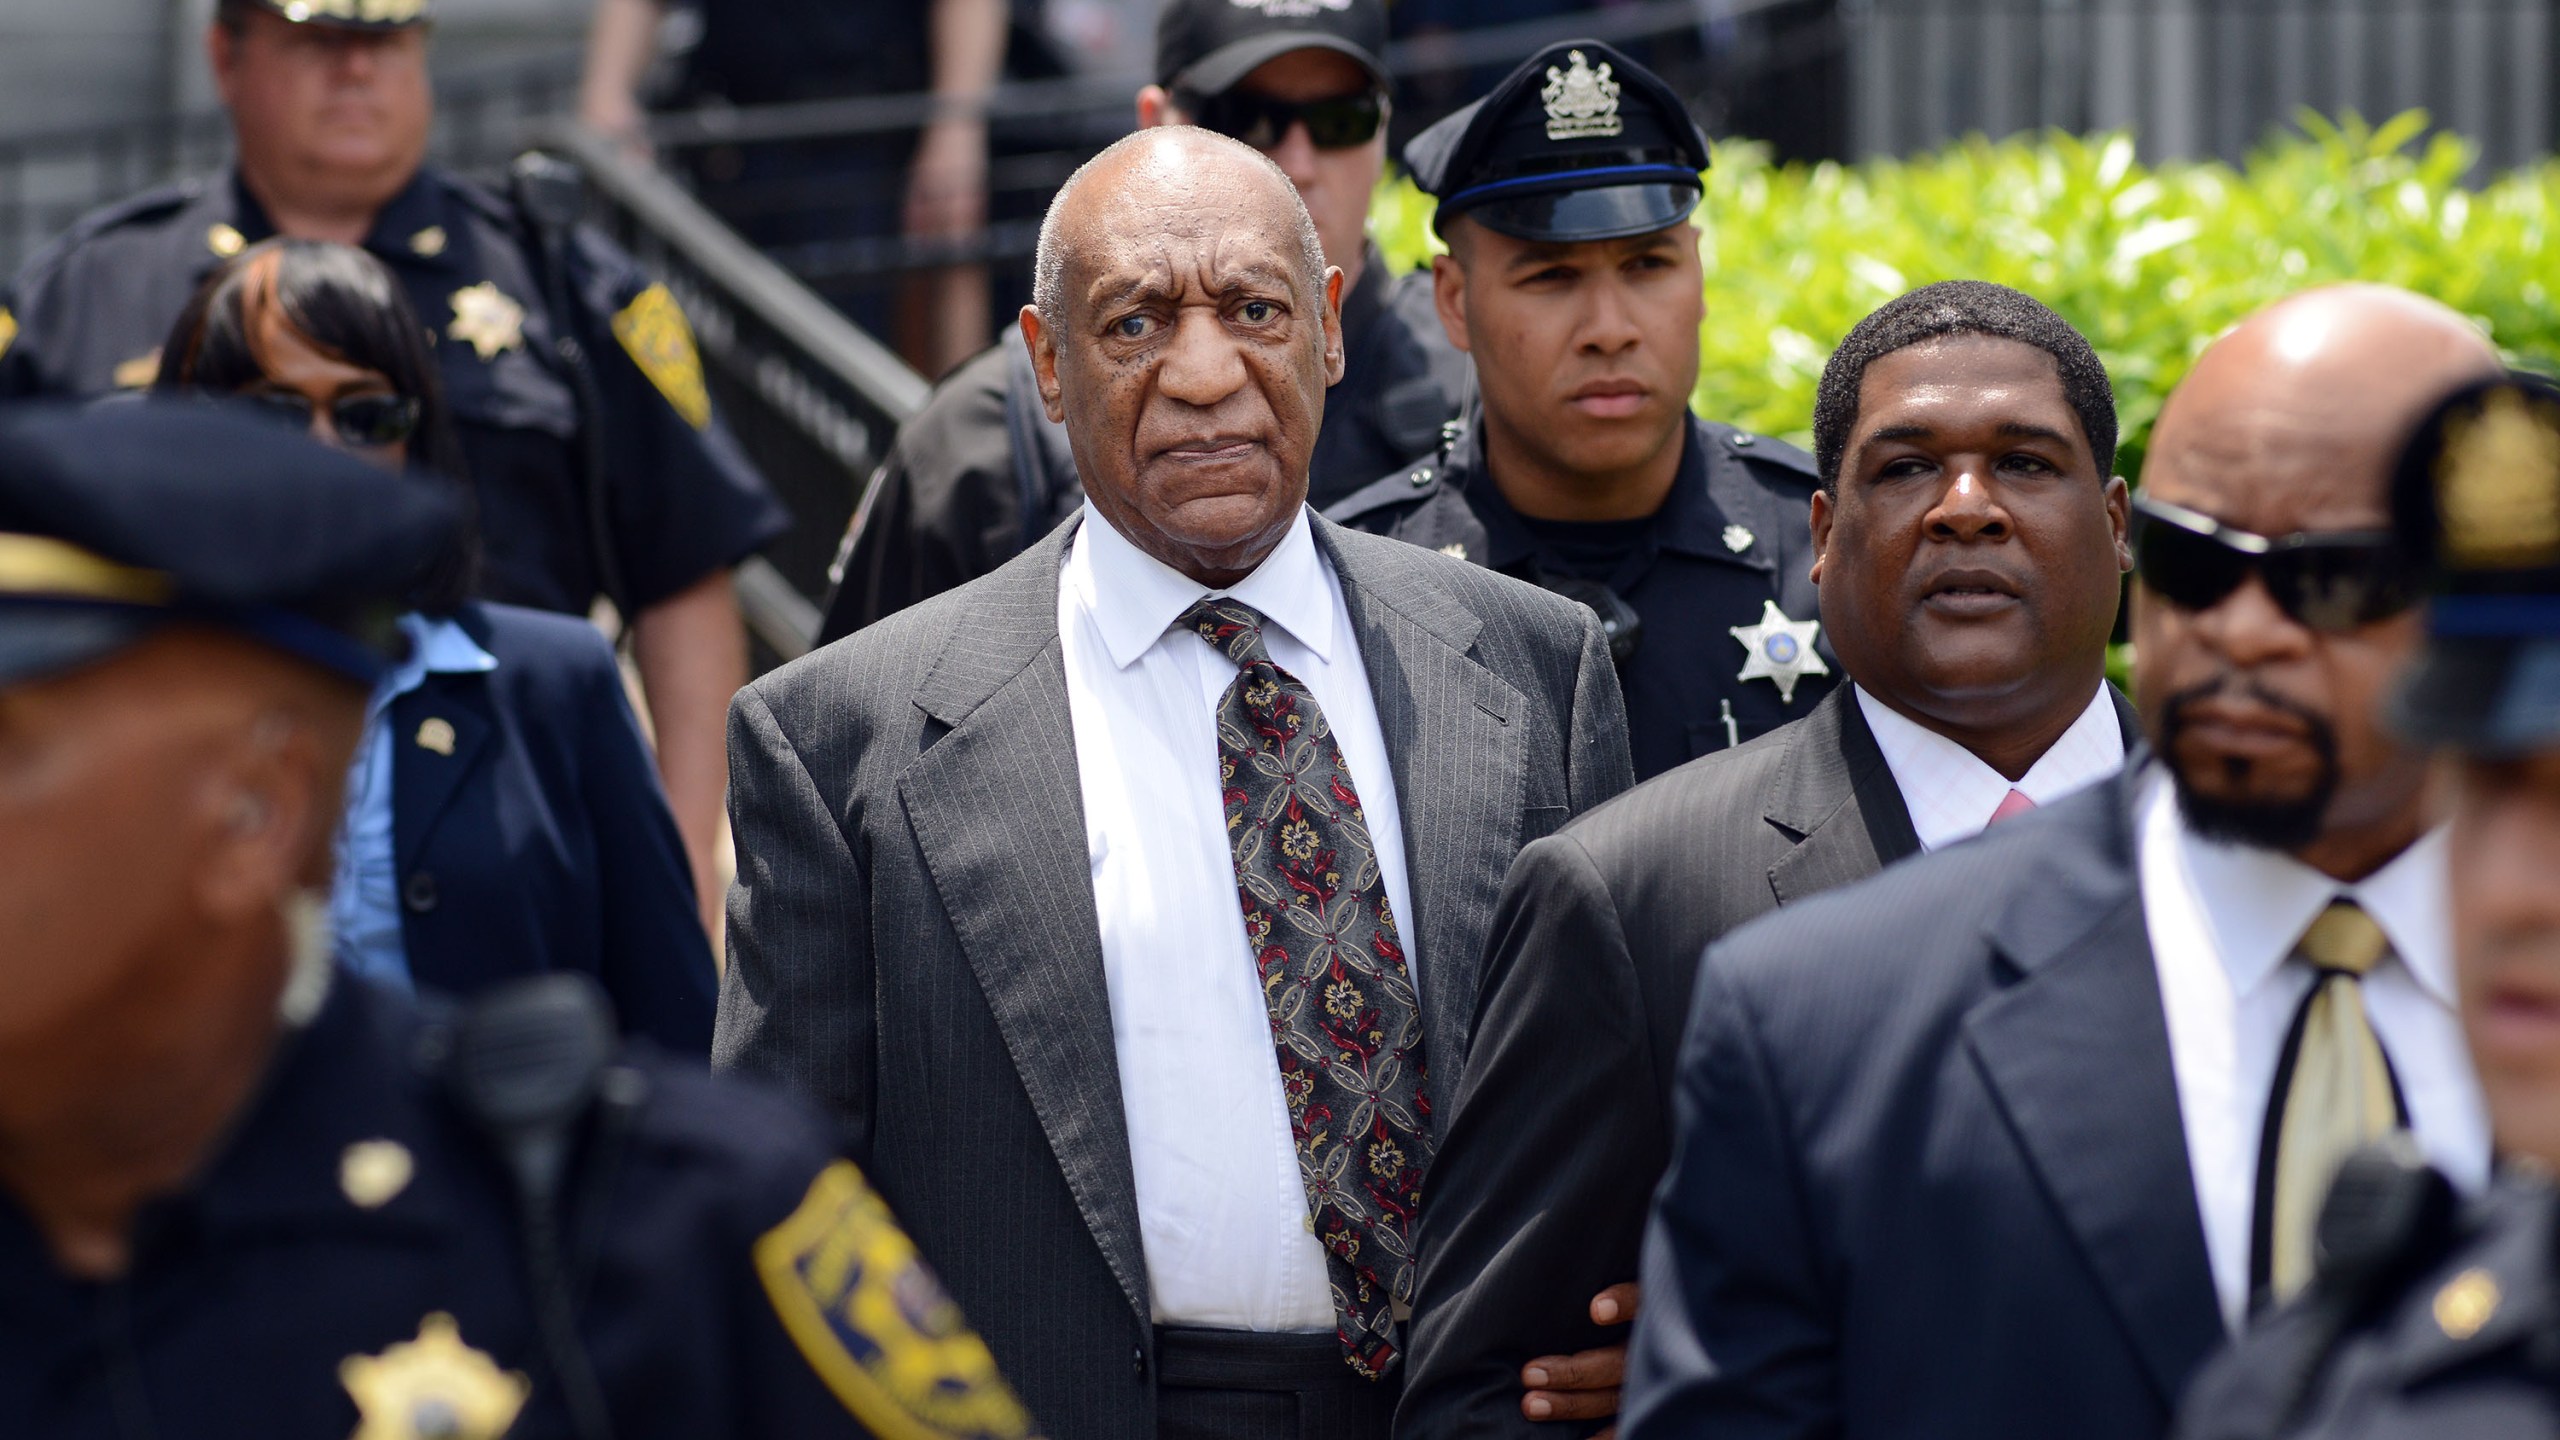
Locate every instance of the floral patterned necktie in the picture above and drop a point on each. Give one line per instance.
(1344, 1022)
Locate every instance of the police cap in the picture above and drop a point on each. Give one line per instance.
(1579, 143)
(1205, 46)
(345, 14)
(2476, 499)
(130, 515)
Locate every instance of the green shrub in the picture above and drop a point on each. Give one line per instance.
(2151, 262)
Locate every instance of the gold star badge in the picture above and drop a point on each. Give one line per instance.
(486, 320)
(428, 243)
(223, 240)
(1781, 650)
(432, 1388)
(374, 1172)
(2465, 1304)
(436, 733)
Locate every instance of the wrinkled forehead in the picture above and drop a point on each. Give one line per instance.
(1178, 225)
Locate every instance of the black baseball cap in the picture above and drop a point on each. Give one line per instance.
(2476, 499)
(1206, 46)
(129, 516)
(1579, 143)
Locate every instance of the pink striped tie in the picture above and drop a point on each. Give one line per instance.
(2012, 805)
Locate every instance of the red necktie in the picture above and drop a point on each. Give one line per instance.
(2012, 805)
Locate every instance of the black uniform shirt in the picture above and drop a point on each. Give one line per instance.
(354, 1211)
(681, 500)
(2467, 1349)
(1731, 537)
(955, 498)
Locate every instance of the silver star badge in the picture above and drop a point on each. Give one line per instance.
(1737, 539)
(1781, 650)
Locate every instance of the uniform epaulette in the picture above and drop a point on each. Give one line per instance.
(1412, 485)
(1761, 449)
(153, 205)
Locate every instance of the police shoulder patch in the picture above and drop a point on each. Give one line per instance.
(875, 1324)
(652, 328)
(8, 329)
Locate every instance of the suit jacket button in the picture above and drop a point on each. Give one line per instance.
(419, 893)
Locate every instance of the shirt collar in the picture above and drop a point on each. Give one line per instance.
(419, 207)
(438, 645)
(1951, 793)
(2258, 902)
(1135, 598)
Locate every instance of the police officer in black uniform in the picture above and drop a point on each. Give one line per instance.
(981, 471)
(1573, 281)
(2431, 1320)
(598, 466)
(246, 1194)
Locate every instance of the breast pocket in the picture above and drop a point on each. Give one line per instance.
(1537, 822)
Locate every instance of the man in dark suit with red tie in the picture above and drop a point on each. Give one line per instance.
(1968, 542)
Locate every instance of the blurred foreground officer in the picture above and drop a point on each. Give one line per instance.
(981, 472)
(597, 466)
(2006, 1139)
(1573, 280)
(2422, 1324)
(245, 1194)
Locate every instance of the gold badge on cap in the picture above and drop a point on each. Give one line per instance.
(1582, 103)
(428, 243)
(224, 240)
(485, 319)
(432, 1388)
(2498, 484)
(138, 372)
(2465, 1304)
(374, 1172)
(655, 334)
(1781, 650)
(436, 733)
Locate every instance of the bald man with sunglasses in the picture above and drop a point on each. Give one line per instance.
(2006, 1140)
(981, 472)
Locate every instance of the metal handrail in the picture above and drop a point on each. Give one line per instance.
(782, 350)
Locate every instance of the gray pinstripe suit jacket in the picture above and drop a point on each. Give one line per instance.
(912, 936)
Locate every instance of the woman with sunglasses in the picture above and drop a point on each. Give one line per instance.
(503, 816)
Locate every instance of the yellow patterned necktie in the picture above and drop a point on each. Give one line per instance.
(2335, 1093)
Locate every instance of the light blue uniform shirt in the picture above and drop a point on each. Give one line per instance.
(364, 903)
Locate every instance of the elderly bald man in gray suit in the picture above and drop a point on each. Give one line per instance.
(1128, 903)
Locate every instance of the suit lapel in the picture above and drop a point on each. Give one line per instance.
(1461, 774)
(1835, 790)
(2076, 1052)
(439, 736)
(997, 809)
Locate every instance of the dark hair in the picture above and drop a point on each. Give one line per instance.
(1960, 307)
(349, 304)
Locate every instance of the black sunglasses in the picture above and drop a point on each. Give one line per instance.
(371, 421)
(2332, 580)
(1335, 123)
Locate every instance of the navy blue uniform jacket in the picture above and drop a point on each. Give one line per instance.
(543, 841)
(1931, 1177)
(354, 1208)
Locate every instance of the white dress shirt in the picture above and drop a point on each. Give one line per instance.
(1951, 793)
(2223, 921)
(1222, 1211)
